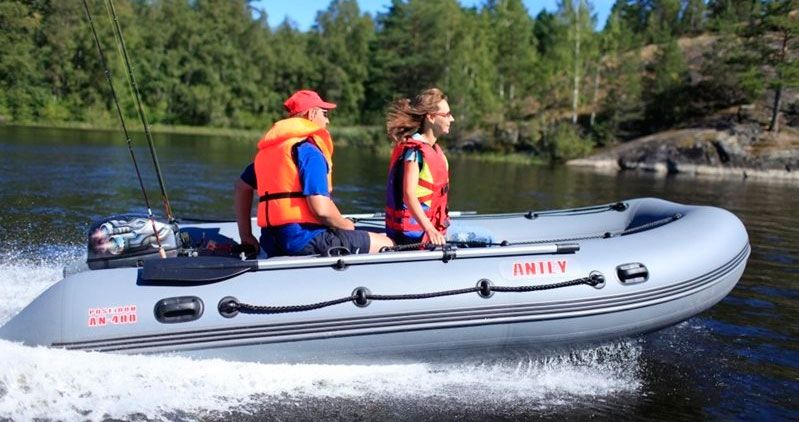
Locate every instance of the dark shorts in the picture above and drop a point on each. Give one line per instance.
(356, 241)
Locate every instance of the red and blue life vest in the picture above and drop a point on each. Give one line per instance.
(431, 192)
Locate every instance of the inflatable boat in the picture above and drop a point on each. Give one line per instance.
(527, 279)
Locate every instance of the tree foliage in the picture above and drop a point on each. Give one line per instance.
(550, 84)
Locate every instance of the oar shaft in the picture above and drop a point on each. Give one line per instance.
(414, 256)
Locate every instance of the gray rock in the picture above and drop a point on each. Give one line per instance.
(738, 149)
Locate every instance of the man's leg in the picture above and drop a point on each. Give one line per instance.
(378, 241)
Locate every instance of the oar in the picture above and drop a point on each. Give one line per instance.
(382, 215)
(194, 270)
(209, 269)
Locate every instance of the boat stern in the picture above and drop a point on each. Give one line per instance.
(39, 323)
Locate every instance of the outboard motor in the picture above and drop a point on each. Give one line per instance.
(126, 240)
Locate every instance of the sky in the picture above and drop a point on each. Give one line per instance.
(303, 12)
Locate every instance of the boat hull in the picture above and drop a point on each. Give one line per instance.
(693, 257)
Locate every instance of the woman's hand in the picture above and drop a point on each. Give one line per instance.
(435, 237)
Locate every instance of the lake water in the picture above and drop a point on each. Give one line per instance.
(739, 360)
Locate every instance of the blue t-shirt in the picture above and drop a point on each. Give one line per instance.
(292, 238)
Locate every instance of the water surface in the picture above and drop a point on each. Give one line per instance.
(738, 360)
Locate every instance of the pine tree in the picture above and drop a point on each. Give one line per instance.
(775, 39)
(471, 92)
(667, 88)
(692, 21)
(415, 48)
(732, 12)
(663, 20)
(516, 51)
(621, 106)
(340, 43)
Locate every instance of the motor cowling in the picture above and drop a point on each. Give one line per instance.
(126, 240)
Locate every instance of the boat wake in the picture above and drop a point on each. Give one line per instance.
(42, 383)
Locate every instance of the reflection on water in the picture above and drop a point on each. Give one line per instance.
(740, 359)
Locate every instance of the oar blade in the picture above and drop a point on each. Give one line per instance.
(193, 270)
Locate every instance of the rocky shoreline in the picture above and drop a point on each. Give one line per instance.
(736, 150)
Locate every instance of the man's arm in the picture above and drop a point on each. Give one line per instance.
(242, 202)
(327, 212)
(313, 176)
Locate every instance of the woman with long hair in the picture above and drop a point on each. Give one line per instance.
(418, 176)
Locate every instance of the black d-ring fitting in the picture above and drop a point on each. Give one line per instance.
(361, 297)
(448, 253)
(619, 206)
(485, 285)
(340, 265)
(228, 307)
(597, 280)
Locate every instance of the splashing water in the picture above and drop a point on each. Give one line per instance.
(23, 276)
(60, 384)
(43, 383)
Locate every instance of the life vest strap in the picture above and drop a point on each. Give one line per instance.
(280, 195)
(441, 188)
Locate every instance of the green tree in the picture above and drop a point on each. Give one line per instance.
(515, 51)
(576, 16)
(621, 105)
(663, 21)
(340, 43)
(295, 67)
(415, 48)
(692, 21)
(666, 89)
(774, 39)
(471, 84)
(21, 77)
(732, 12)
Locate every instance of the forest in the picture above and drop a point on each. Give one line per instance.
(555, 85)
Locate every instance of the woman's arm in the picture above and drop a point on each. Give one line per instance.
(410, 182)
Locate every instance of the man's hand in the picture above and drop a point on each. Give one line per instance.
(251, 245)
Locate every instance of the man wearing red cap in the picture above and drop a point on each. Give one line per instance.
(292, 174)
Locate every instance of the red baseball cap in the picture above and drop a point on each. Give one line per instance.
(304, 100)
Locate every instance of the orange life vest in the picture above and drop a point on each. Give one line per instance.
(399, 219)
(281, 200)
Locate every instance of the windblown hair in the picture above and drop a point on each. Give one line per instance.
(406, 116)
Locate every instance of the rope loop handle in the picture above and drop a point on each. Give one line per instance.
(361, 296)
